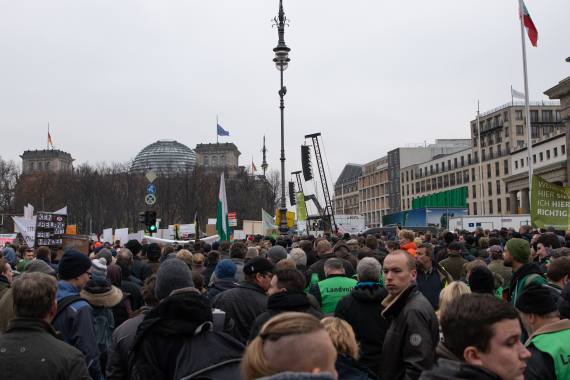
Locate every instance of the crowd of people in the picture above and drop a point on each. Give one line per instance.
(407, 305)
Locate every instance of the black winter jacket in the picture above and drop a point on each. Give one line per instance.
(312, 257)
(219, 286)
(243, 304)
(210, 268)
(319, 266)
(280, 303)
(411, 340)
(134, 291)
(176, 340)
(31, 349)
(139, 269)
(361, 309)
(564, 302)
(308, 273)
(118, 366)
(349, 369)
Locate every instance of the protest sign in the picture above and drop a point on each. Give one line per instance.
(27, 227)
(7, 238)
(49, 229)
(549, 205)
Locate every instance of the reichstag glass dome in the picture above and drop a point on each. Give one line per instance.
(164, 156)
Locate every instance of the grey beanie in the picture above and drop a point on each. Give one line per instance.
(172, 275)
(105, 254)
(38, 266)
(277, 253)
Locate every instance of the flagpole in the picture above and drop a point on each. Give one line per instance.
(526, 102)
(480, 164)
(48, 138)
(217, 129)
(512, 99)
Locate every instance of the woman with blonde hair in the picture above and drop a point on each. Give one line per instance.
(451, 291)
(291, 342)
(342, 336)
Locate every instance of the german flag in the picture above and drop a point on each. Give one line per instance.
(49, 140)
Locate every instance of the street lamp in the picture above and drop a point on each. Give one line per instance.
(282, 62)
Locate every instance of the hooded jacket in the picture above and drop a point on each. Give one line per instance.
(412, 337)
(282, 302)
(31, 349)
(219, 286)
(118, 366)
(243, 304)
(76, 325)
(176, 340)
(10, 255)
(319, 267)
(312, 257)
(380, 254)
(361, 309)
(343, 252)
(519, 278)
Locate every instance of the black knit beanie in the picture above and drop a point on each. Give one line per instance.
(481, 280)
(535, 299)
(73, 264)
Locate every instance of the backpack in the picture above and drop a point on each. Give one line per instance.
(104, 324)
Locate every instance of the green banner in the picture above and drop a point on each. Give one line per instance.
(549, 205)
(301, 209)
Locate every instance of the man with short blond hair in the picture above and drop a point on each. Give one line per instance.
(409, 347)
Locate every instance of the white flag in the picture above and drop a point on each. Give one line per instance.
(222, 221)
(518, 95)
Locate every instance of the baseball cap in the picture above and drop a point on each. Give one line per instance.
(258, 264)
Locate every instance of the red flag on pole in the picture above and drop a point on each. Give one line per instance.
(529, 25)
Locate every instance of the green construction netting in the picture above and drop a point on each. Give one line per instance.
(449, 198)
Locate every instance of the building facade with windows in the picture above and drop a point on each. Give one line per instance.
(501, 132)
(415, 154)
(373, 191)
(346, 190)
(219, 156)
(46, 160)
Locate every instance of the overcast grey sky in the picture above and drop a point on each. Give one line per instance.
(114, 76)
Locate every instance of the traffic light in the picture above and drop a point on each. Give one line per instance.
(152, 221)
(306, 162)
(292, 193)
(143, 218)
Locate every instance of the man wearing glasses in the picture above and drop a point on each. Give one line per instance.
(74, 316)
